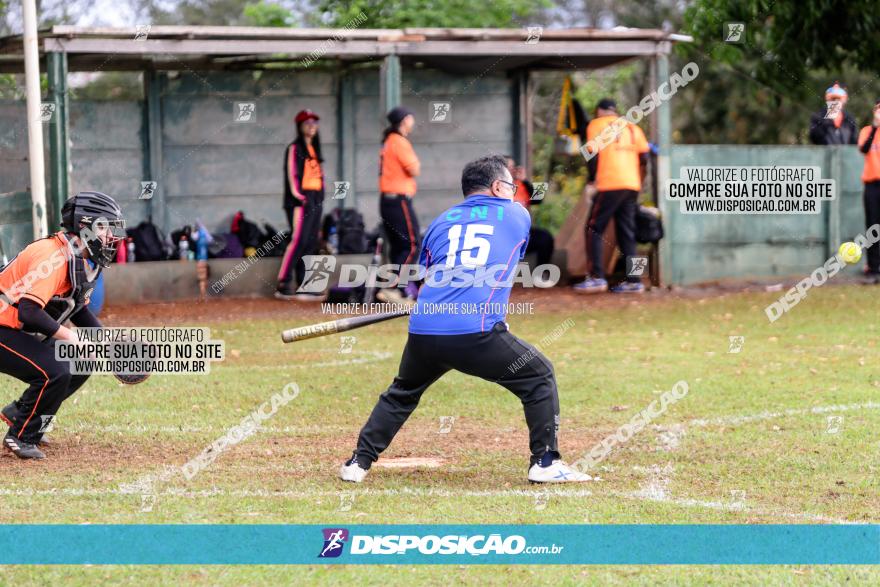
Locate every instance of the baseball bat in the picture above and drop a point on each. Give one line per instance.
(341, 325)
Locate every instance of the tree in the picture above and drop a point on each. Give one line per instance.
(215, 12)
(763, 89)
(266, 14)
(786, 39)
(397, 14)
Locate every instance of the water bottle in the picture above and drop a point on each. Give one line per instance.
(183, 248)
(202, 245)
(130, 246)
(121, 254)
(333, 241)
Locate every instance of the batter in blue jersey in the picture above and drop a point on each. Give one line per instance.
(470, 253)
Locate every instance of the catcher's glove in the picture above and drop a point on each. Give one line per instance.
(133, 379)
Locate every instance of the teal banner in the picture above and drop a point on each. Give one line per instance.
(440, 544)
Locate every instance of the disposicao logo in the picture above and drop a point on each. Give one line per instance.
(334, 540)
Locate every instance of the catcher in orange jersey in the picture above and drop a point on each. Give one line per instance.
(45, 285)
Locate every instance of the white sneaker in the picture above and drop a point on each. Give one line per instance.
(352, 472)
(308, 297)
(557, 472)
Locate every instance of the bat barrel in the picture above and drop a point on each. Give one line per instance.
(341, 325)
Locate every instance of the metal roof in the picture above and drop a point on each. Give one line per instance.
(222, 47)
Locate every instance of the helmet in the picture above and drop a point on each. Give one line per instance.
(86, 215)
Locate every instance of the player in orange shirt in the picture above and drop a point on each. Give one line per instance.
(869, 145)
(45, 285)
(617, 170)
(303, 204)
(398, 168)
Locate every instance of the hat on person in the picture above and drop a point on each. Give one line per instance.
(607, 104)
(837, 89)
(397, 114)
(304, 115)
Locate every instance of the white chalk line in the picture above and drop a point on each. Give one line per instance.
(767, 415)
(294, 494)
(549, 492)
(322, 428)
(644, 494)
(736, 507)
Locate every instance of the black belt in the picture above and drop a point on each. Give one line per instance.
(395, 196)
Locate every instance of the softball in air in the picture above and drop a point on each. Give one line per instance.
(850, 252)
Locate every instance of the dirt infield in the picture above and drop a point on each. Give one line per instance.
(553, 300)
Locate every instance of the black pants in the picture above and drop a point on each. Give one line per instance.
(496, 356)
(50, 383)
(540, 242)
(305, 236)
(401, 228)
(872, 217)
(622, 206)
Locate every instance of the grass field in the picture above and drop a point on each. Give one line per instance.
(783, 431)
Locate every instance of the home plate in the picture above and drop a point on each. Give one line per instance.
(407, 462)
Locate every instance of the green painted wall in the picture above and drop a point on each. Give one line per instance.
(709, 247)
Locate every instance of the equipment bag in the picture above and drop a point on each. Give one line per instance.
(149, 242)
(351, 231)
(249, 234)
(649, 226)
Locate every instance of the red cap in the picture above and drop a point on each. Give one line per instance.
(304, 115)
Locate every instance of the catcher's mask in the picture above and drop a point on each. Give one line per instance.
(97, 220)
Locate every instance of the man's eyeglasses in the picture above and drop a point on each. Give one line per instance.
(512, 185)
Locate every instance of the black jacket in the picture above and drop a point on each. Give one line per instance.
(294, 162)
(823, 131)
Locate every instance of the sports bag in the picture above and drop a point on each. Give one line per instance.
(649, 226)
(149, 243)
(351, 231)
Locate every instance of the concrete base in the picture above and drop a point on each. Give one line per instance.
(163, 281)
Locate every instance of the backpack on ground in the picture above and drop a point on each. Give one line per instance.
(249, 234)
(649, 226)
(351, 231)
(149, 242)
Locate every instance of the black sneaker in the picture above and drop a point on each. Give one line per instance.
(285, 291)
(8, 414)
(22, 450)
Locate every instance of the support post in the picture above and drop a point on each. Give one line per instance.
(662, 120)
(157, 208)
(389, 83)
(520, 119)
(34, 122)
(346, 130)
(59, 133)
(832, 232)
